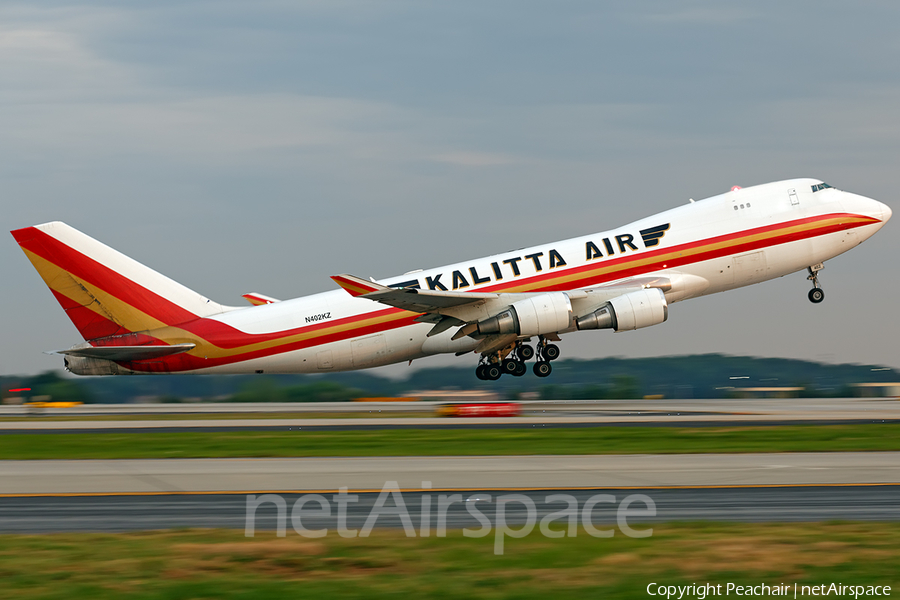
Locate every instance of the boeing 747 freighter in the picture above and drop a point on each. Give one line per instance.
(507, 309)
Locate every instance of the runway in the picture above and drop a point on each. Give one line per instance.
(128, 495)
(748, 504)
(384, 415)
(448, 472)
(39, 496)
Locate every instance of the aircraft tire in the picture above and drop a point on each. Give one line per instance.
(479, 372)
(521, 369)
(525, 352)
(492, 372)
(816, 295)
(542, 368)
(510, 366)
(550, 352)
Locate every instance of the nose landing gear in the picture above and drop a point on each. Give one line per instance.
(817, 294)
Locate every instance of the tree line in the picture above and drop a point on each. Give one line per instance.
(692, 376)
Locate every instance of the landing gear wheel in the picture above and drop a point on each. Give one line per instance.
(521, 369)
(479, 372)
(509, 366)
(492, 372)
(525, 352)
(550, 352)
(816, 294)
(542, 368)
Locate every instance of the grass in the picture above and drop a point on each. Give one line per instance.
(224, 564)
(461, 442)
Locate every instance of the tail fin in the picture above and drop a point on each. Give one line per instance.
(103, 291)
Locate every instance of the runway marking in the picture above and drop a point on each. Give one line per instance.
(431, 490)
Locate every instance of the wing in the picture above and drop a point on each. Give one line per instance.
(433, 304)
(435, 301)
(465, 310)
(415, 300)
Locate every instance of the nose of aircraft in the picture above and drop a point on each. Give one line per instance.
(885, 212)
(867, 206)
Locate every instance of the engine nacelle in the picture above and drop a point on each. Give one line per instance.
(537, 315)
(81, 365)
(628, 311)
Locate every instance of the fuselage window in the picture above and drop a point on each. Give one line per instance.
(735, 207)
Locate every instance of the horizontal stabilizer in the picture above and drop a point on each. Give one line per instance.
(125, 353)
(258, 299)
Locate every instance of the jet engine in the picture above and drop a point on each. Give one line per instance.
(628, 311)
(537, 315)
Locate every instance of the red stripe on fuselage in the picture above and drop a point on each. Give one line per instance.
(671, 262)
(228, 337)
(187, 362)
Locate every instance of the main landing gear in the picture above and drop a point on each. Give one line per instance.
(492, 366)
(817, 294)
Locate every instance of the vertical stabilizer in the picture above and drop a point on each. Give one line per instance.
(103, 291)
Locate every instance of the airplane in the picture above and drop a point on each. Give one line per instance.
(137, 321)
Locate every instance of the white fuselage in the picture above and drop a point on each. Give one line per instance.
(705, 249)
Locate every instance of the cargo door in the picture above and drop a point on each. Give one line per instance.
(367, 351)
(750, 268)
(324, 361)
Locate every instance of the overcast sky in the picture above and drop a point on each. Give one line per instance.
(263, 146)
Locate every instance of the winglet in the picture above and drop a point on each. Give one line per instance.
(356, 286)
(257, 299)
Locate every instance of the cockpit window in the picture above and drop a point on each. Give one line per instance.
(820, 186)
